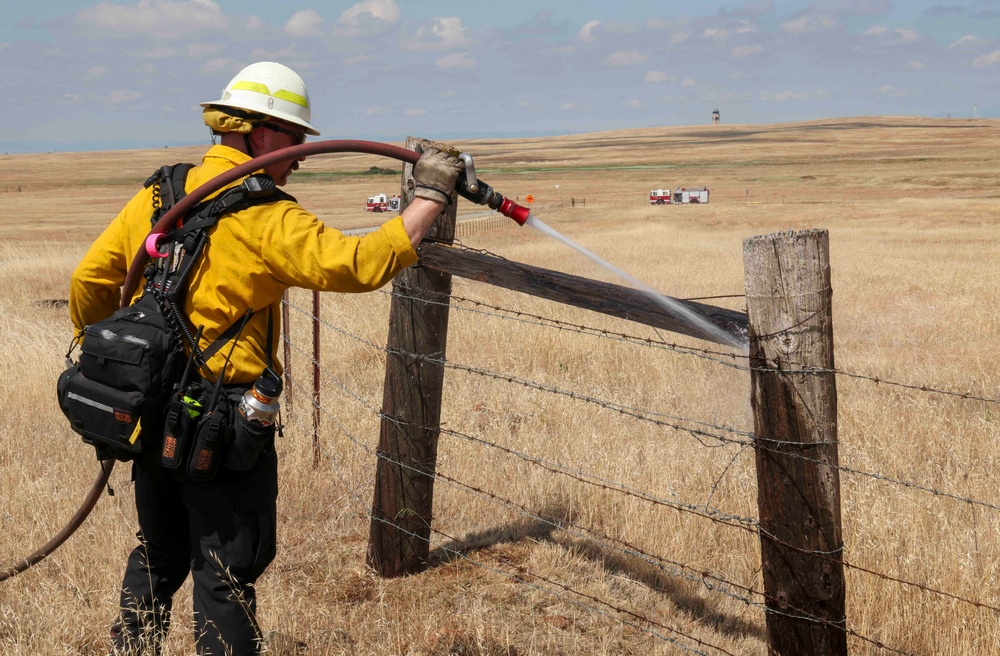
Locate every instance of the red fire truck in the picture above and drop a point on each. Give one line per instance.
(382, 203)
(680, 196)
(660, 197)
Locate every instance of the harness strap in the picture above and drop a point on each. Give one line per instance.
(193, 234)
(234, 329)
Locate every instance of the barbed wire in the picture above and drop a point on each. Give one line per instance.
(919, 586)
(590, 534)
(648, 416)
(721, 357)
(638, 624)
(660, 419)
(752, 526)
(357, 497)
(687, 572)
(707, 512)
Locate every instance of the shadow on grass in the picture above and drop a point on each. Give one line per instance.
(658, 577)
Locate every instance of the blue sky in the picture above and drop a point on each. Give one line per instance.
(84, 74)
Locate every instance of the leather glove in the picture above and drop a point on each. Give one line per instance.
(435, 175)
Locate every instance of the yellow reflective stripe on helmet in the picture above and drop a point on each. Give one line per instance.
(287, 96)
(293, 98)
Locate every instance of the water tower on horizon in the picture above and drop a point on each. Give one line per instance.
(716, 119)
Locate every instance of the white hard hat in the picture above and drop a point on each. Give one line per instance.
(268, 88)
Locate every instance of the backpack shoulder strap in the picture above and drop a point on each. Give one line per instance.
(255, 190)
(168, 187)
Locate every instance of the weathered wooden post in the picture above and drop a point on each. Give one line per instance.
(795, 421)
(399, 541)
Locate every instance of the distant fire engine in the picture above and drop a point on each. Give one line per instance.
(383, 203)
(659, 197)
(678, 196)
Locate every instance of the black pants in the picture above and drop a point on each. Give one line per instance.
(223, 532)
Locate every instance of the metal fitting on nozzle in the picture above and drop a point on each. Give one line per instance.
(472, 188)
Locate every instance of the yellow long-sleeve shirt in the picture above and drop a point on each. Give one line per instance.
(251, 258)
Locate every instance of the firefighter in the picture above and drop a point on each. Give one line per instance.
(224, 531)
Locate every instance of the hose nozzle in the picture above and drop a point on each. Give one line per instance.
(472, 188)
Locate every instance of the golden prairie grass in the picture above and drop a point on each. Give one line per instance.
(911, 206)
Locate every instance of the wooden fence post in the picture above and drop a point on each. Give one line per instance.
(795, 422)
(399, 541)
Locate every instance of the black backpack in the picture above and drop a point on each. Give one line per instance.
(132, 364)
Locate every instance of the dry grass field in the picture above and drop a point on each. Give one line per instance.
(563, 526)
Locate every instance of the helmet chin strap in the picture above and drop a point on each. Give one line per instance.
(249, 146)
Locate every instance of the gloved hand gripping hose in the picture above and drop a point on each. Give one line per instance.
(469, 187)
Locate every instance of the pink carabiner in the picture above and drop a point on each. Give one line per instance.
(153, 246)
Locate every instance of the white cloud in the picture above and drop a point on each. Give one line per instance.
(161, 18)
(586, 33)
(376, 110)
(635, 104)
(203, 50)
(456, 60)
(625, 58)
(745, 51)
(567, 106)
(123, 96)
(785, 96)
(679, 37)
(715, 33)
(687, 83)
(906, 36)
(664, 23)
(916, 65)
(416, 111)
(253, 23)
(891, 91)
(95, 73)
(367, 17)
(808, 24)
(443, 34)
(658, 76)
(854, 7)
(160, 53)
(746, 27)
(969, 41)
(304, 23)
(263, 54)
(217, 65)
(357, 59)
(987, 60)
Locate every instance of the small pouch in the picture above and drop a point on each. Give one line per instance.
(249, 439)
(210, 440)
(181, 421)
(102, 415)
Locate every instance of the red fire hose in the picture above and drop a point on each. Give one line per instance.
(478, 192)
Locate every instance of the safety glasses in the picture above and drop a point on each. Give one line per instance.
(297, 137)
